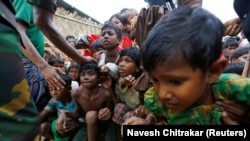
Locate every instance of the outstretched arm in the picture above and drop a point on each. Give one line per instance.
(49, 73)
(44, 21)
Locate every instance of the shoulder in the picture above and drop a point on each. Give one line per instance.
(104, 91)
(77, 92)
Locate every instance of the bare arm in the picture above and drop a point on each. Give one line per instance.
(44, 21)
(49, 73)
(44, 114)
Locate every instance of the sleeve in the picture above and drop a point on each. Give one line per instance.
(233, 87)
(151, 102)
(51, 106)
(46, 4)
(24, 12)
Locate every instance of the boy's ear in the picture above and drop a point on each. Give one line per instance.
(216, 69)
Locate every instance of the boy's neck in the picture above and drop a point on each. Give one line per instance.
(91, 91)
(66, 100)
(208, 97)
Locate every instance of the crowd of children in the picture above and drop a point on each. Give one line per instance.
(174, 78)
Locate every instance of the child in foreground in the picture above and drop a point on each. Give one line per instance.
(61, 101)
(93, 102)
(186, 69)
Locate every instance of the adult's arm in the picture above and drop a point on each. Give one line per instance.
(44, 21)
(50, 73)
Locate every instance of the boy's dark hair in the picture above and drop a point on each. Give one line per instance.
(69, 36)
(97, 44)
(114, 26)
(230, 41)
(132, 52)
(52, 60)
(90, 66)
(65, 77)
(235, 67)
(73, 65)
(239, 52)
(193, 33)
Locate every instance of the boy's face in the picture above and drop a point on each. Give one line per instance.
(89, 78)
(60, 93)
(71, 41)
(109, 39)
(127, 66)
(58, 65)
(178, 85)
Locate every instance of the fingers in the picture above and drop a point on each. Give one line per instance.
(227, 119)
(233, 30)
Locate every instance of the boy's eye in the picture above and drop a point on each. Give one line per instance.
(175, 81)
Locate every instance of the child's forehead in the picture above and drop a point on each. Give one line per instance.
(89, 70)
(109, 29)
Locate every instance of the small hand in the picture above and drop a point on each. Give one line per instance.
(129, 80)
(104, 114)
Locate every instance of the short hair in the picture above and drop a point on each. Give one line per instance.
(53, 59)
(132, 52)
(239, 52)
(90, 66)
(235, 67)
(69, 36)
(73, 65)
(230, 41)
(65, 77)
(97, 44)
(193, 34)
(114, 26)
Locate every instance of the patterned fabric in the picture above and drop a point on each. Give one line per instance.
(35, 78)
(59, 107)
(16, 104)
(122, 113)
(229, 86)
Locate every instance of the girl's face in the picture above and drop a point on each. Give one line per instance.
(109, 39)
(179, 86)
(74, 74)
(127, 66)
(89, 78)
(119, 23)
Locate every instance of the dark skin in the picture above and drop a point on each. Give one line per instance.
(92, 101)
(44, 21)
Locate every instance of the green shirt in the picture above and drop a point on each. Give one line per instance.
(24, 14)
(229, 86)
